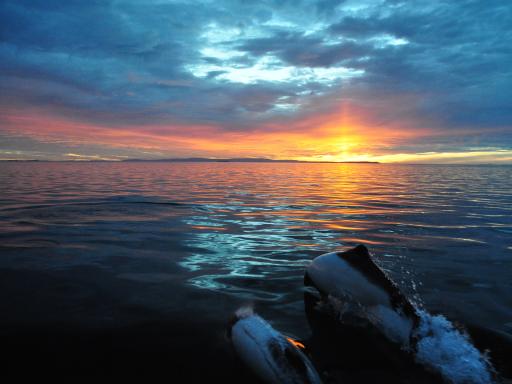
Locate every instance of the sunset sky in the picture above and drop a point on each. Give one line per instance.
(411, 81)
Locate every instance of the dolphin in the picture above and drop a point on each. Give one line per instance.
(353, 278)
(273, 357)
(362, 294)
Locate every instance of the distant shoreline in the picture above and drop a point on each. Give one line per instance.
(194, 160)
(243, 160)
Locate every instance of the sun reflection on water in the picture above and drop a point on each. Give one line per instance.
(254, 244)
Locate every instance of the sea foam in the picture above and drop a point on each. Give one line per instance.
(445, 349)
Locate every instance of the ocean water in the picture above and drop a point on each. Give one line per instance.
(97, 259)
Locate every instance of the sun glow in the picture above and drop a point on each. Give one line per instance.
(344, 135)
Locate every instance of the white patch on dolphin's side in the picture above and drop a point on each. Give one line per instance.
(337, 277)
(268, 353)
(445, 349)
(396, 327)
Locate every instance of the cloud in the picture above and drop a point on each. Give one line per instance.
(245, 67)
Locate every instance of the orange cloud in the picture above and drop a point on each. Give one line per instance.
(346, 134)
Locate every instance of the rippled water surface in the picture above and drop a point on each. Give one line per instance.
(108, 243)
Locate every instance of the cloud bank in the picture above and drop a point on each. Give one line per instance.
(301, 79)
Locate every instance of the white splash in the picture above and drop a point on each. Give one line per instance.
(244, 312)
(445, 349)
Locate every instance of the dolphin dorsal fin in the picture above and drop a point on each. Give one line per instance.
(360, 259)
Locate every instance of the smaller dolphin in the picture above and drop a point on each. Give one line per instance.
(274, 358)
(354, 278)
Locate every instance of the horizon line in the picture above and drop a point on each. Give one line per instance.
(237, 160)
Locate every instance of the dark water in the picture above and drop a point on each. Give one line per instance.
(136, 267)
